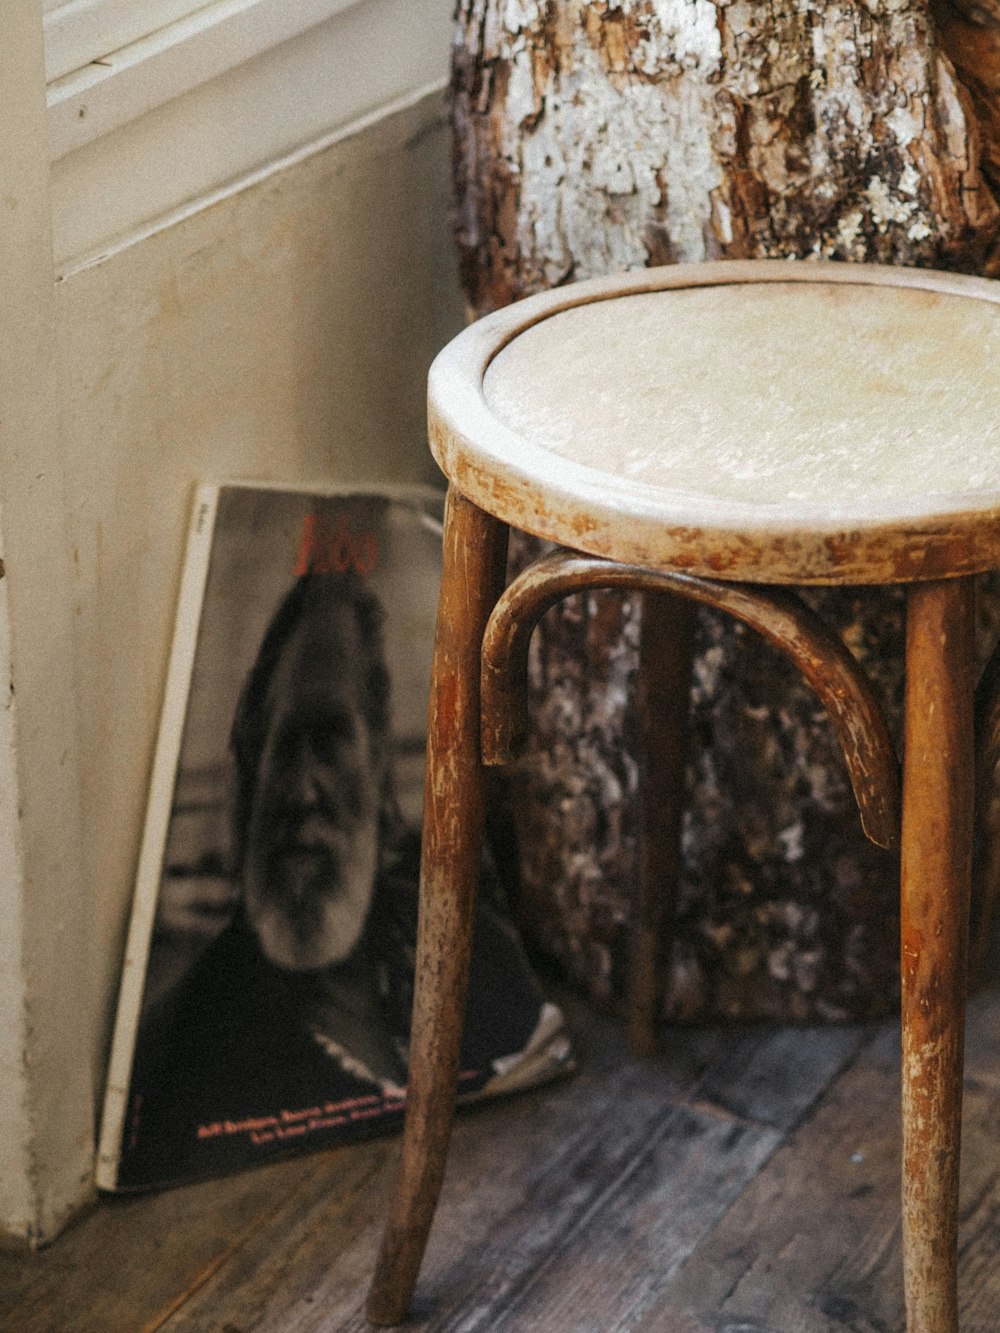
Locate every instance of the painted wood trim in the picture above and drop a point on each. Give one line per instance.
(80, 31)
(46, 1078)
(256, 118)
(90, 97)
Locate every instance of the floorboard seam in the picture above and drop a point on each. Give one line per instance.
(224, 1257)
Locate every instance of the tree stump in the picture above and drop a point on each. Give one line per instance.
(592, 137)
(969, 31)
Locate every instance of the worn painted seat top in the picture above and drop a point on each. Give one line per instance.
(775, 421)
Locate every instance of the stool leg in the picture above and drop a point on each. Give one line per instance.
(474, 567)
(936, 872)
(664, 689)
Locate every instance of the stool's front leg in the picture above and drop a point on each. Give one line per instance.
(936, 872)
(474, 565)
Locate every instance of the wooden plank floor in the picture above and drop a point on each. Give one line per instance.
(744, 1182)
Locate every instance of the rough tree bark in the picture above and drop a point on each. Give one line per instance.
(591, 137)
(969, 31)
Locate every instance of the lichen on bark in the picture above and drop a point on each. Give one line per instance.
(601, 136)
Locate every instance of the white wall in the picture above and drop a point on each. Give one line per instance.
(283, 332)
(46, 1120)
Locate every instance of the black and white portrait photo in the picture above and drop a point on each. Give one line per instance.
(278, 983)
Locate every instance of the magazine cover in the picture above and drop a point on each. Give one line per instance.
(267, 988)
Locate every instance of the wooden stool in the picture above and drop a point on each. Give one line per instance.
(701, 433)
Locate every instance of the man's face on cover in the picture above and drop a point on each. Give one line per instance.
(312, 838)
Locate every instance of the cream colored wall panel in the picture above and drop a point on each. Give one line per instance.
(283, 335)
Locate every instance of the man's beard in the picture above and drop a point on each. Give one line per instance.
(308, 895)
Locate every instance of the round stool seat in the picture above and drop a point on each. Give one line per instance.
(766, 421)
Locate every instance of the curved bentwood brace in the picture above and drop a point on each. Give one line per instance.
(776, 613)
